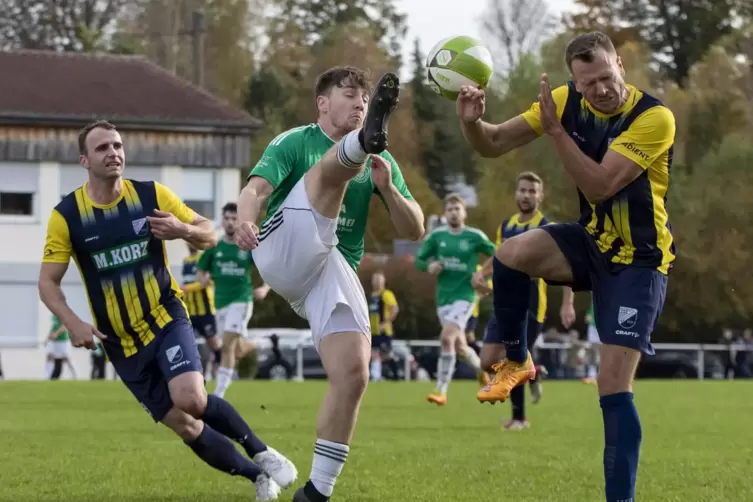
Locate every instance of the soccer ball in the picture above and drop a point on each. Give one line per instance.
(458, 61)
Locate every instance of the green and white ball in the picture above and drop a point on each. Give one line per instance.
(458, 61)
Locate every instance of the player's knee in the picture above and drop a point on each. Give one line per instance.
(351, 380)
(511, 253)
(193, 402)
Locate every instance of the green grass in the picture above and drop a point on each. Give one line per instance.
(91, 441)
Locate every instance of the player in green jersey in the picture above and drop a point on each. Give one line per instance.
(58, 347)
(230, 269)
(451, 253)
(319, 186)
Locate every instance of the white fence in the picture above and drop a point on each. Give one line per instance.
(301, 339)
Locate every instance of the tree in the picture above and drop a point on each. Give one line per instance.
(444, 153)
(516, 27)
(316, 19)
(678, 31)
(162, 30)
(62, 25)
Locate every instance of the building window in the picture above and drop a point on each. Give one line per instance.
(204, 208)
(17, 204)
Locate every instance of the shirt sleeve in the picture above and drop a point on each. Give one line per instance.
(425, 253)
(484, 245)
(169, 202)
(278, 159)
(649, 136)
(57, 246)
(533, 115)
(397, 177)
(388, 297)
(205, 260)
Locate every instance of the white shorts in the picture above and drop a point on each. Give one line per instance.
(297, 256)
(234, 318)
(59, 350)
(456, 313)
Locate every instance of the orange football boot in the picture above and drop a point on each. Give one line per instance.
(509, 374)
(437, 398)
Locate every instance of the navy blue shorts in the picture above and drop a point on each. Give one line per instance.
(491, 333)
(204, 325)
(470, 326)
(627, 300)
(147, 372)
(382, 343)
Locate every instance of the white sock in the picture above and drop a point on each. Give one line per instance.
(224, 379)
(376, 370)
(329, 458)
(73, 370)
(350, 152)
(592, 371)
(49, 367)
(445, 369)
(472, 358)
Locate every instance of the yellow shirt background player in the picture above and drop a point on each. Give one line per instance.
(383, 309)
(199, 300)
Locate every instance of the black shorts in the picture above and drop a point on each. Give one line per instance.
(147, 372)
(534, 329)
(383, 343)
(627, 300)
(204, 325)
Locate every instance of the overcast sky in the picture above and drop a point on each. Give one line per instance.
(433, 20)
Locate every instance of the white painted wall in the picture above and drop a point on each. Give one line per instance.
(24, 320)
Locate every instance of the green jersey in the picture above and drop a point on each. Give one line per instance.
(63, 336)
(458, 253)
(292, 153)
(230, 268)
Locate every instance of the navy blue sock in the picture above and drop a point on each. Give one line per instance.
(518, 402)
(222, 417)
(622, 444)
(217, 451)
(512, 296)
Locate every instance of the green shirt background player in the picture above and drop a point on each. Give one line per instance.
(230, 268)
(451, 253)
(58, 348)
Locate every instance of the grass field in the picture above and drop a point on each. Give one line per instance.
(91, 441)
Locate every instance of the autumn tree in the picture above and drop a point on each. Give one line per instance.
(678, 31)
(514, 28)
(69, 25)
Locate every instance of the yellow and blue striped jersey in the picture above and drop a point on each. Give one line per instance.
(631, 227)
(511, 227)
(132, 294)
(380, 304)
(198, 299)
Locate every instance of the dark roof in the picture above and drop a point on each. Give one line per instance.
(60, 89)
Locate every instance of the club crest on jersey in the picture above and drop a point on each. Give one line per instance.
(363, 176)
(627, 317)
(464, 246)
(174, 354)
(243, 255)
(140, 227)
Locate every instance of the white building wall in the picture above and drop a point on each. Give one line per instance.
(24, 319)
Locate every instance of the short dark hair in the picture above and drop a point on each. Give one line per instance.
(98, 124)
(584, 47)
(230, 207)
(341, 76)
